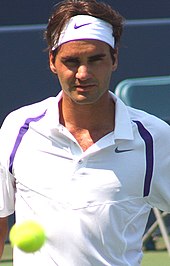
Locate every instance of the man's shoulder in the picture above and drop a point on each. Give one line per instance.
(23, 113)
(21, 117)
(34, 108)
(152, 123)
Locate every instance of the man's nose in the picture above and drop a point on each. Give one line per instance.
(83, 72)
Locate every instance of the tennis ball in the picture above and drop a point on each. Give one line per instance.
(28, 236)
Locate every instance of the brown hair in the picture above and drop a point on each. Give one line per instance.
(64, 10)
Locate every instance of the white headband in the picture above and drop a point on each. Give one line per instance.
(83, 27)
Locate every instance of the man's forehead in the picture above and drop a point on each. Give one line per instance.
(84, 46)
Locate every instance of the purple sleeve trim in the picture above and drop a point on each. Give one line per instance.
(146, 136)
(21, 133)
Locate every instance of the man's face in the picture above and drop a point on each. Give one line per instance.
(84, 70)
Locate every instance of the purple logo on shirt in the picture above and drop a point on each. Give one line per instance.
(120, 151)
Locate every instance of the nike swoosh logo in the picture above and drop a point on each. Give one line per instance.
(79, 26)
(120, 151)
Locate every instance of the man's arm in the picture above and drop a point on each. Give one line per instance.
(3, 233)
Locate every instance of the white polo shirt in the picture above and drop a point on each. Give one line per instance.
(93, 205)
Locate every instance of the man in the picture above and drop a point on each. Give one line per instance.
(83, 164)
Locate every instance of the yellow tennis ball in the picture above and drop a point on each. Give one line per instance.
(28, 236)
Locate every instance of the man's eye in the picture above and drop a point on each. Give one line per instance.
(96, 59)
(71, 62)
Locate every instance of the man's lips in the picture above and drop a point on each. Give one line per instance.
(84, 87)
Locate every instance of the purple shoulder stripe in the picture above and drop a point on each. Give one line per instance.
(21, 133)
(146, 136)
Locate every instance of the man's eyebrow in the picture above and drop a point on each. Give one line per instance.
(97, 56)
(69, 57)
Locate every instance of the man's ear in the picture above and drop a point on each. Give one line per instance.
(52, 63)
(115, 61)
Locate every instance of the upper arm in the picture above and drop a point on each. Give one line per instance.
(3, 232)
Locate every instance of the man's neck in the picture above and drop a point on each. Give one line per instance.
(87, 116)
(88, 123)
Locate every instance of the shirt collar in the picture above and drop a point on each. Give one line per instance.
(52, 114)
(123, 125)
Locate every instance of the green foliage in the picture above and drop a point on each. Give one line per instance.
(156, 258)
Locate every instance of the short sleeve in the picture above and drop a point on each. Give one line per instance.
(160, 186)
(6, 193)
(7, 184)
